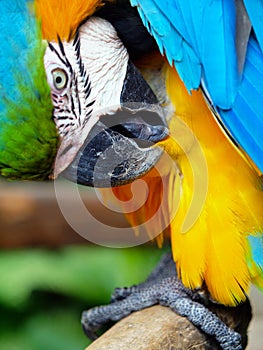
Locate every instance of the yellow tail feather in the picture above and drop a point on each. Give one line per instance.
(214, 249)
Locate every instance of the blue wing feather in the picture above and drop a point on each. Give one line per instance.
(200, 41)
(217, 52)
(207, 30)
(169, 38)
(245, 119)
(256, 246)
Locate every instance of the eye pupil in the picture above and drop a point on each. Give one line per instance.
(58, 80)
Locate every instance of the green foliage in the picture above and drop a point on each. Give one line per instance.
(43, 292)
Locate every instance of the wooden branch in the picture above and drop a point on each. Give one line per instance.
(159, 328)
(30, 215)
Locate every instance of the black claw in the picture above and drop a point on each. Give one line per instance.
(87, 326)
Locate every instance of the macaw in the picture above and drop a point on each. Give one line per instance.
(138, 81)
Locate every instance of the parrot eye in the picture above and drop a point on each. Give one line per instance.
(60, 78)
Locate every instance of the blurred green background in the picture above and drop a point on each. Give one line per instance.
(49, 274)
(43, 292)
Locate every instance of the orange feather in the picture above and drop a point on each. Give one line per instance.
(62, 17)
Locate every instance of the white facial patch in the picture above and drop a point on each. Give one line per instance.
(86, 78)
(86, 75)
(106, 59)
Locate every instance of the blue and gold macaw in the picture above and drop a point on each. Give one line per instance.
(138, 81)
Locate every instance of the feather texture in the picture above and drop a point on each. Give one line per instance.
(214, 250)
(199, 38)
(154, 215)
(28, 138)
(245, 119)
(255, 259)
(223, 248)
(62, 18)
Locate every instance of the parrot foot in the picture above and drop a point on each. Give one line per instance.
(164, 288)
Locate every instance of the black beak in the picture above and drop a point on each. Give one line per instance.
(119, 148)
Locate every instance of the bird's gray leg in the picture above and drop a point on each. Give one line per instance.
(164, 288)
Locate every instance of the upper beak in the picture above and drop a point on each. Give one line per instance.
(118, 148)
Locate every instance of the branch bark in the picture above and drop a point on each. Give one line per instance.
(30, 215)
(159, 328)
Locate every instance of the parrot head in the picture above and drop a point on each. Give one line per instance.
(106, 114)
(72, 91)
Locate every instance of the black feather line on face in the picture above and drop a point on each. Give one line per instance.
(73, 106)
(87, 88)
(77, 49)
(61, 46)
(84, 75)
(64, 60)
(52, 48)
